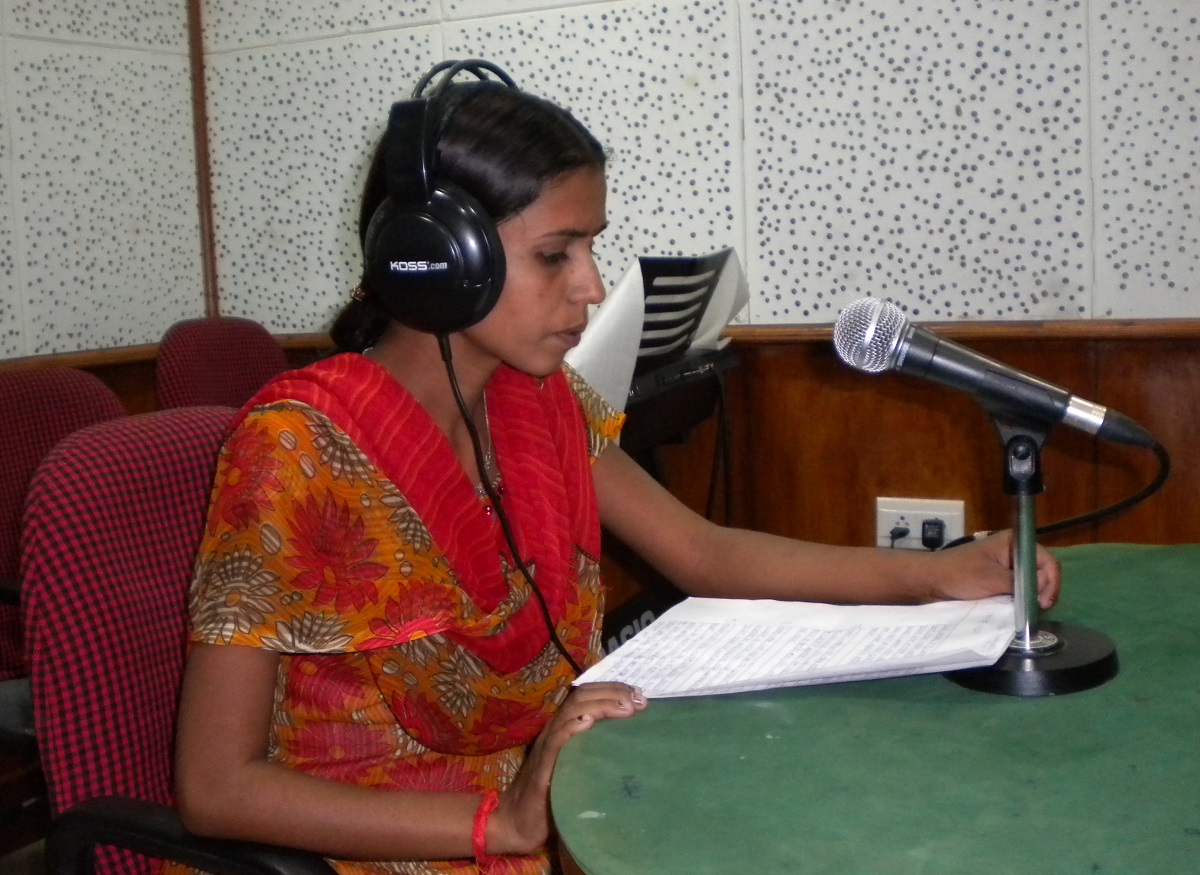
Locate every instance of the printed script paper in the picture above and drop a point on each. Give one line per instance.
(709, 646)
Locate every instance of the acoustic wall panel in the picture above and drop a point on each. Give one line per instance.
(972, 159)
(658, 84)
(975, 159)
(103, 194)
(485, 8)
(1145, 80)
(148, 24)
(232, 24)
(292, 129)
(932, 153)
(11, 318)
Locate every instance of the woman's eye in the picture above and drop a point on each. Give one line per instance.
(553, 257)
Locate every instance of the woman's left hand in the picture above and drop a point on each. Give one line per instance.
(521, 822)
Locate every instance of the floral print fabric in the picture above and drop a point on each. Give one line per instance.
(344, 534)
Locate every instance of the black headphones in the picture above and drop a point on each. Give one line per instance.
(432, 256)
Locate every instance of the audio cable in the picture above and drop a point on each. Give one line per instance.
(1160, 477)
(493, 496)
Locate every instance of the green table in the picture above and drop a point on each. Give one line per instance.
(920, 775)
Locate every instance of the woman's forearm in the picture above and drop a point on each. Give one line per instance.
(266, 802)
(748, 564)
(225, 785)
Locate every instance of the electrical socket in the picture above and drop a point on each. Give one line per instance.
(910, 513)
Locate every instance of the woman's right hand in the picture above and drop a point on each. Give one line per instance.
(521, 823)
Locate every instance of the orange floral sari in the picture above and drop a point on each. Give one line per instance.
(344, 534)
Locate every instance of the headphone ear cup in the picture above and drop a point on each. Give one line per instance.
(438, 266)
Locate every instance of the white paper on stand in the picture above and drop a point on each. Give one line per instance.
(728, 298)
(607, 352)
(706, 646)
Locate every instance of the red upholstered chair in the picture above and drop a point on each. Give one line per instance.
(40, 406)
(114, 516)
(219, 360)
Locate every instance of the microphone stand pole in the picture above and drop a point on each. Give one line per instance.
(1044, 659)
(1023, 480)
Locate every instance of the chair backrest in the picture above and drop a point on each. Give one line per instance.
(216, 360)
(41, 405)
(114, 517)
(677, 291)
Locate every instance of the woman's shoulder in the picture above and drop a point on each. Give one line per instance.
(603, 420)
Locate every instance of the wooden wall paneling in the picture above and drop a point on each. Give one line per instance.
(132, 381)
(825, 440)
(130, 372)
(686, 469)
(1155, 382)
(1069, 457)
(814, 441)
(818, 441)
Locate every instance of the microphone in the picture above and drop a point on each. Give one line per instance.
(874, 335)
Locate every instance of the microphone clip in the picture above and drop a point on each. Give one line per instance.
(1023, 465)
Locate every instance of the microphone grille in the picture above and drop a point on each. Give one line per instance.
(867, 332)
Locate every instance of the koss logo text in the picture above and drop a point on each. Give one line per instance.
(416, 266)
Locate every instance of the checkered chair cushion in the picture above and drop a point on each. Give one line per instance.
(215, 360)
(114, 517)
(40, 407)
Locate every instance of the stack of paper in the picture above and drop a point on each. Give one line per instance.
(707, 646)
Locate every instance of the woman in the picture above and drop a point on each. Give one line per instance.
(399, 578)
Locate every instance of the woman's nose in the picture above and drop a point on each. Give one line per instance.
(590, 287)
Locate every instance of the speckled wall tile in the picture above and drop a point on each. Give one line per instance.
(233, 24)
(104, 194)
(610, 67)
(935, 154)
(996, 159)
(1146, 93)
(292, 129)
(156, 24)
(11, 318)
(485, 8)
(658, 84)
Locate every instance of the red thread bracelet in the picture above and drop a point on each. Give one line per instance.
(487, 805)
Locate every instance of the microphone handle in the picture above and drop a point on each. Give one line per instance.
(1008, 393)
(1002, 390)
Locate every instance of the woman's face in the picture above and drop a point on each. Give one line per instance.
(551, 275)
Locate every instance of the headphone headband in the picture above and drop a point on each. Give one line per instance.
(415, 125)
(450, 69)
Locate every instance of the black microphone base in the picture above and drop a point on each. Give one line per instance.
(1083, 658)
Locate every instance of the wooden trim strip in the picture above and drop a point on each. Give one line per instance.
(208, 246)
(126, 355)
(1111, 329)
(1150, 330)
(87, 359)
(305, 341)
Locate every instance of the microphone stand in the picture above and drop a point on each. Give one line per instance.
(1044, 658)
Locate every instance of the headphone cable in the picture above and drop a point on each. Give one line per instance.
(477, 449)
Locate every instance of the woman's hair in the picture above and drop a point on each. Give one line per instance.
(500, 145)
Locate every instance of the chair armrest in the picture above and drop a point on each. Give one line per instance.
(155, 830)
